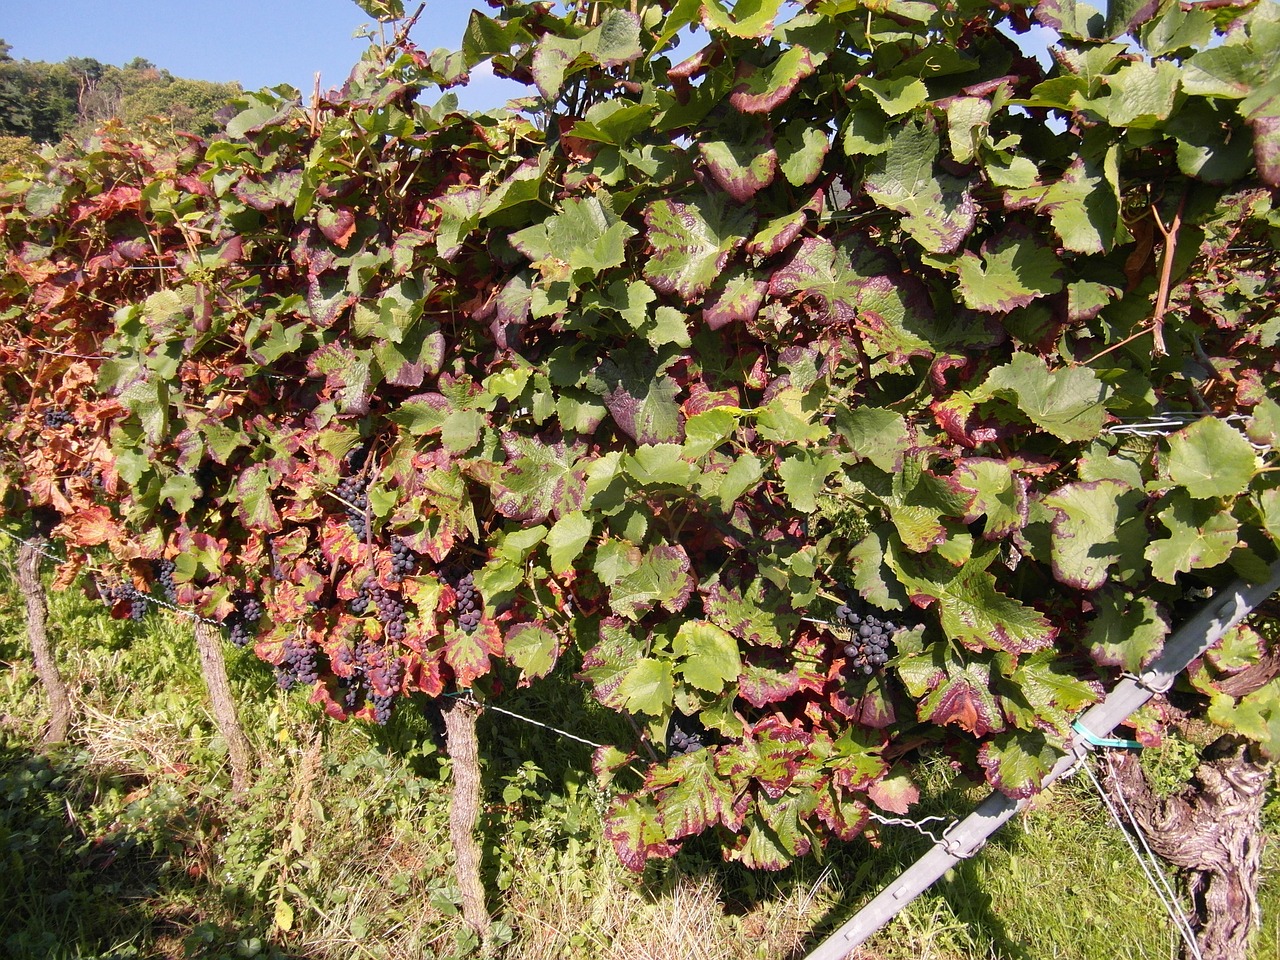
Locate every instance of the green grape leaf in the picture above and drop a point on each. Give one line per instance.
(875, 434)
(647, 687)
(566, 540)
(1210, 458)
(1017, 762)
(1012, 271)
(710, 654)
(1200, 536)
(534, 647)
(1067, 403)
(1086, 538)
(1125, 632)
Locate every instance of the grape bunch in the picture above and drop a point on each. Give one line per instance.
(374, 676)
(354, 494)
(163, 573)
(684, 735)
(119, 593)
(359, 604)
(243, 621)
(469, 604)
(869, 638)
(390, 609)
(300, 665)
(403, 560)
(53, 419)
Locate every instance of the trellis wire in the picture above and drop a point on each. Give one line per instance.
(37, 546)
(1149, 863)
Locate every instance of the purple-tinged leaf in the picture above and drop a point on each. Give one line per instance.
(741, 158)
(691, 795)
(606, 664)
(966, 701)
(844, 817)
(757, 613)
(999, 495)
(338, 224)
(639, 397)
(534, 647)
(762, 685)
(971, 608)
(764, 89)
(637, 832)
(895, 792)
(540, 479)
(692, 242)
(937, 210)
(736, 299)
(779, 750)
(818, 272)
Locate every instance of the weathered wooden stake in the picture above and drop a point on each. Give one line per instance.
(214, 668)
(37, 635)
(464, 813)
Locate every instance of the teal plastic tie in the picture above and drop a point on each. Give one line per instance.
(1098, 741)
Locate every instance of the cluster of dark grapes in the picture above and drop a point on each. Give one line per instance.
(354, 494)
(395, 622)
(243, 621)
(300, 665)
(869, 638)
(403, 560)
(163, 573)
(469, 604)
(359, 604)
(115, 594)
(53, 419)
(685, 735)
(388, 605)
(373, 676)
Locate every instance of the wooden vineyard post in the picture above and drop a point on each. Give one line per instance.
(38, 636)
(214, 669)
(464, 813)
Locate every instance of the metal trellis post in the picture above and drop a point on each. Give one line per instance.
(1215, 617)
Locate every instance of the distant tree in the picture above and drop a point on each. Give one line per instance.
(38, 100)
(4, 50)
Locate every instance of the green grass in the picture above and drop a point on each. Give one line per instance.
(126, 842)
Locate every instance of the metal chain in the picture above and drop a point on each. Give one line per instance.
(1163, 424)
(917, 825)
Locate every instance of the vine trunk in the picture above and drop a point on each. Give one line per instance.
(1213, 832)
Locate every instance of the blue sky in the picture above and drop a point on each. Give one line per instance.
(260, 43)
